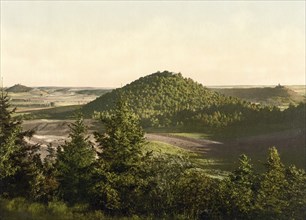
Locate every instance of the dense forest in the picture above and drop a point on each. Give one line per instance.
(168, 100)
(116, 179)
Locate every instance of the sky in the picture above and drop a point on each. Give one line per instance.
(112, 43)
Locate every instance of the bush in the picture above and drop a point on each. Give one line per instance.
(57, 207)
(17, 204)
(37, 209)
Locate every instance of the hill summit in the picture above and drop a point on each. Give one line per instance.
(160, 97)
(18, 88)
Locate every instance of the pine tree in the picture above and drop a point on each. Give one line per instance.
(196, 195)
(296, 193)
(271, 198)
(122, 140)
(240, 190)
(7, 123)
(19, 161)
(46, 181)
(74, 163)
(119, 159)
(8, 151)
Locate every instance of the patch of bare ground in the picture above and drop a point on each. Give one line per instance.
(54, 132)
(291, 143)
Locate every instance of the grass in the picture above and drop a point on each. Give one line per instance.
(224, 134)
(192, 135)
(243, 131)
(162, 148)
(97, 92)
(62, 112)
(19, 208)
(197, 160)
(254, 141)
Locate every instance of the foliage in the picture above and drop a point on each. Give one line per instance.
(61, 112)
(271, 198)
(119, 158)
(197, 195)
(122, 140)
(74, 163)
(161, 174)
(20, 208)
(161, 99)
(168, 100)
(239, 191)
(97, 92)
(296, 193)
(20, 162)
(278, 193)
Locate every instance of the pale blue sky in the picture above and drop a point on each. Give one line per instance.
(95, 43)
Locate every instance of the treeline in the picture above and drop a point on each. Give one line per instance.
(115, 178)
(238, 116)
(168, 100)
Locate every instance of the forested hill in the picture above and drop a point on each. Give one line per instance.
(166, 99)
(159, 97)
(18, 88)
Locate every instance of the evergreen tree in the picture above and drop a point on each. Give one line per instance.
(296, 193)
(9, 141)
(74, 163)
(119, 159)
(271, 198)
(122, 140)
(240, 190)
(19, 161)
(161, 176)
(47, 179)
(7, 123)
(196, 195)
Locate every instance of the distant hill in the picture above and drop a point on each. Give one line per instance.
(18, 88)
(97, 92)
(162, 98)
(277, 96)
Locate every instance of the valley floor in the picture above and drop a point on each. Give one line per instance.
(290, 143)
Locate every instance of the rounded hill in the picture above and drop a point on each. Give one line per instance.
(158, 97)
(18, 88)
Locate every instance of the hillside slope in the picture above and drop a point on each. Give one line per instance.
(277, 96)
(18, 88)
(160, 97)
